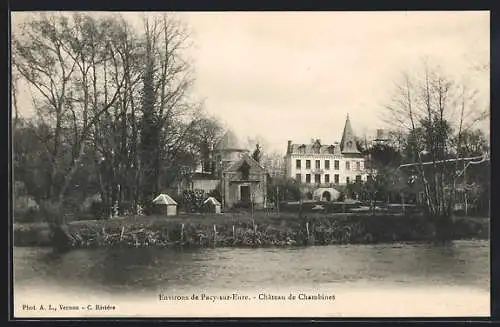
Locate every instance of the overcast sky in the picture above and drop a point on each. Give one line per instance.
(293, 76)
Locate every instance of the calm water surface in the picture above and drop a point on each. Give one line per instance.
(140, 271)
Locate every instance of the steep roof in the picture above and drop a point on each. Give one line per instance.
(211, 200)
(229, 142)
(315, 148)
(164, 199)
(254, 165)
(348, 142)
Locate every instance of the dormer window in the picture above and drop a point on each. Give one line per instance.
(317, 146)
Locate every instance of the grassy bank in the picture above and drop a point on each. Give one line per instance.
(240, 230)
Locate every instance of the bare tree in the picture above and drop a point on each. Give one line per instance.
(63, 60)
(14, 88)
(117, 134)
(114, 111)
(433, 108)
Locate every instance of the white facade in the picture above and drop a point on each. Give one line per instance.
(341, 169)
(324, 165)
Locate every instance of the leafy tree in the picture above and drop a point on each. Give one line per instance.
(283, 189)
(383, 155)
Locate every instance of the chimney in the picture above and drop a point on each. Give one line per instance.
(289, 147)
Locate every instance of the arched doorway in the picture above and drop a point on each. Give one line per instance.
(326, 196)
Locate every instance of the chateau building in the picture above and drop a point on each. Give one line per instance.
(326, 165)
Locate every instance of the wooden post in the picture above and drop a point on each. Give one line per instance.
(252, 198)
(182, 232)
(307, 229)
(234, 233)
(121, 235)
(277, 200)
(223, 184)
(300, 205)
(402, 203)
(465, 188)
(215, 235)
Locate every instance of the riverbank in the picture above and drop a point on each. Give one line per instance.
(241, 230)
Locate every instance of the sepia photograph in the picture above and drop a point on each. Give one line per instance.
(250, 164)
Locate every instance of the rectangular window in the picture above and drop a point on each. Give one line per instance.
(317, 178)
(347, 180)
(336, 165)
(298, 177)
(327, 178)
(358, 165)
(336, 178)
(358, 178)
(347, 165)
(318, 165)
(297, 163)
(308, 178)
(327, 164)
(308, 164)
(245, 193)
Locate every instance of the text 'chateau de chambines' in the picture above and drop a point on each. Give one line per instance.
(320, 169)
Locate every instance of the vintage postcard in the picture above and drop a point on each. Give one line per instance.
(251, 164)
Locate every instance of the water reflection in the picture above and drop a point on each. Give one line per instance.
(148, 270)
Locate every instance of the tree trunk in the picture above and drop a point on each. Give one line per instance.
(444, 228)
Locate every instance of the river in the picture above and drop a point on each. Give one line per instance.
(365, 281)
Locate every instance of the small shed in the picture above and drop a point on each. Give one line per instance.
(166, 204)
(212, 205)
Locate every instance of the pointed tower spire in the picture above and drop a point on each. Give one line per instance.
(348, 142)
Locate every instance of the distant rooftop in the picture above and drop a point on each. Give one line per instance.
(347, 144)
(314, 148)
(230, 142)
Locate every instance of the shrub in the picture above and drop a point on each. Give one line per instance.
(242, 205)
(25, 209)
(99, 210)
(192, 200)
